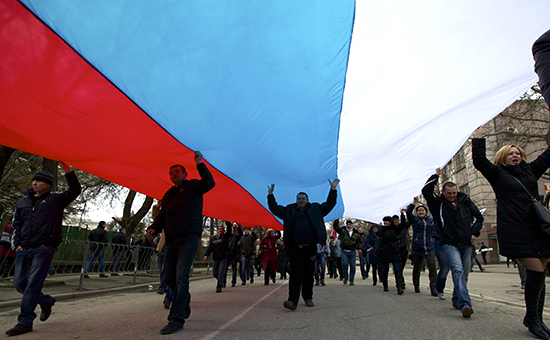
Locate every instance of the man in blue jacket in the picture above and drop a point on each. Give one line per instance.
(303, 229)
(459, 222)
(37, 222)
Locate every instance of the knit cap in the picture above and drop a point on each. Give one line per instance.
(43, 176)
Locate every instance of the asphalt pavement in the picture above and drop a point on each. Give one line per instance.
(115, 308)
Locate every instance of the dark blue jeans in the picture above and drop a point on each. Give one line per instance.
(219, 270)
(160, 263)
(100, 253)
(443, 267)
(364, 264)
(319, 273)
(31, 269)
(116, 263)
(178, 259)
(247, 267)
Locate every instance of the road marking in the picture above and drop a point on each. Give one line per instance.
(240, 316)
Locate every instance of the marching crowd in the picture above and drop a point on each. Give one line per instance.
(448, 234)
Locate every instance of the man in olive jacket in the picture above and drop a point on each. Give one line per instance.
(351, 242)
(303, 229)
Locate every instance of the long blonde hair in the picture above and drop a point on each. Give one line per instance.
(500, 157)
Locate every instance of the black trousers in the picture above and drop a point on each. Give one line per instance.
(302, 260)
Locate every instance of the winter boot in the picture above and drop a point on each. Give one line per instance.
(540, 309)
(533, 286)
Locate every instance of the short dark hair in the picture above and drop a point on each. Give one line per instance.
(395, 216)
(101, 223)
(349, 221)
(389, 219)
(302, 193)
(181, 166)
(448, 184)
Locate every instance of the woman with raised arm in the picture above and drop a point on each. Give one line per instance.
(519, 230)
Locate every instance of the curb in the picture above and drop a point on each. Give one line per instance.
(93, 293)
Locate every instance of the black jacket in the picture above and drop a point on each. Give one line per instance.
(41, 224)
(373, 241)
(181, 209)
(247, 243)
(456, 225)
(219, 246)
(389, 242)
(518, 228)
(315, 211)
(98, 235)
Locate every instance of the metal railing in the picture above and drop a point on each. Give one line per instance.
(73, 257)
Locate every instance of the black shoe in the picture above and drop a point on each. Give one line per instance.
(289, 305)
(535, 328)
(273, 279)
(399, 291)
(316, 283)
(166, 303)
(386, 288)
(309, 302)
(243, 283)
(161, 290)
(403, 285)
(322, 284)
(374, 283)
(46, 312)
(114, 274)
(416, 289)
(434, 292)
(18, 329)
(86, 276)
(103, 275)
(218, 290)
(252, 279)
(232, 285)
(170, 328)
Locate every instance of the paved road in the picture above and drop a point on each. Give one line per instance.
(255, 312)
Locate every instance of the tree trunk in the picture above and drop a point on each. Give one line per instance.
(5, 154)
(51, 166)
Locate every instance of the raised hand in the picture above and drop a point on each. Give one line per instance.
(334, 183)
(270, 189)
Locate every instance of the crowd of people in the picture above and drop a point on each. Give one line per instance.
(447, 235)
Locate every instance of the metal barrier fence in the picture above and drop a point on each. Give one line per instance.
(83, 258)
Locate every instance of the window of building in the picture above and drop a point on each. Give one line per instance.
(460, 159)
(465, 189)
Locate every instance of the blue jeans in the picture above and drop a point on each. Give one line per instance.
(247, 267)
(178, 259)
(319, 274)
(219, 270)
(443, 267)
(160, 263)
(93, 254)
(116, 262)
(364, 264)
(31, 269)
(348, 258)
(459, 259)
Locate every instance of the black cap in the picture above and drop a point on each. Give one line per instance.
(43, 176)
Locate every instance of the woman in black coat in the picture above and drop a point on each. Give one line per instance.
(389, 252)
(519, 231)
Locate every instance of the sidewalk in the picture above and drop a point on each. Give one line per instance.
(66, 287)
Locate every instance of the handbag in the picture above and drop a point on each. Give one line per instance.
(541, 211)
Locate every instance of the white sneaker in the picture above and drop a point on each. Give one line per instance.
(441, 296)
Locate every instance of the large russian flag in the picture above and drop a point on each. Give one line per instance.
(288, 92)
